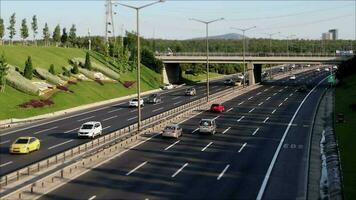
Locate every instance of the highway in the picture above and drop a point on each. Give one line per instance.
(260, 150)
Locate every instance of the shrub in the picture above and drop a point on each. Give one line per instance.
(51, 69)
(64, 88)
(17, 81)
(28, 72)
(66, 72)
(97, 67)
(87, 63)
(75, 69)
(49, 77)
(87, 73)
(37, 103)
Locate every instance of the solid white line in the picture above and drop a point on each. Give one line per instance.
(273, 111)
(195, 130)
(280, 104)
(286, 99)
(250, 98)
(8, 163)
(241, 118)
(134, 110)
(57, 145)
(71, 130)
(216, 117)
(243, 146)
(260, 103)
(106, 127)
(223, 172)
(241, 102)
(86, 118)
(268, 98)
(46, 130)
(4, 142)
(269, 171)
(114, 110)
(91, 198)
(203, 149)
(170, 146)
(251, 110)
(266, 119)
(254, 133)
(136, 168)
(109, 118)
(155, 110)
(177, 102)
(132, 118)
(226, 130)
(230, 110)
(179, 170)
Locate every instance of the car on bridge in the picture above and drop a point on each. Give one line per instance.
(90, 130)
(207, 126)
(25, 145)
(172, 130)
(190, 92)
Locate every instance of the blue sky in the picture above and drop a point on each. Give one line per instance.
(306, 19)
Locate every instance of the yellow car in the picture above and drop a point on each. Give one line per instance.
(24, 145)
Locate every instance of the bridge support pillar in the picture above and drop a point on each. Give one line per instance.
(164, 75)
(250, 72)
(171, 73)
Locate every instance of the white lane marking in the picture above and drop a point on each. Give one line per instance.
(176, 97)
(203, 149)
(8, 163)
(216, 117)
(170, 146)
(268, 98)
(179, 170)
(259, 93)
(195, 130)
(280, 104)
(134, 110)
(155, 110)
(265, 90)
(260, 103)
(291, 94)
(106, 127)
(272, 87)
(274, 94)
(132, 118)
(71, 130)
(193, 97)
(91, 198)
(226, 130)
(230, 110)
(286, 87)
(79, 120)
(254, 133)
(286, 99)
(241, 102)
(269, 171)
(109, 118)
(273, 111)
(280, 90)
(4, 142)
(251, 110)
(57, 145)
(223, 172)
(250, 98)
(242, 147)
(241, 118)
(177, 102)
(266, 120)
(114, 110)
(46, 130)
(136, 168)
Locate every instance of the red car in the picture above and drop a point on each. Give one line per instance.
(217, 108)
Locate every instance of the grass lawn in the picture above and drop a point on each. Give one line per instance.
(346, 134)
(199, 77)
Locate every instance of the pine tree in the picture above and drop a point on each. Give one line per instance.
(24, 31)
(75, 69)
(51, 69)
(3, 71)
(46, 35)
(34, 28)
(28, 72)
(11, 28)
(57, 34)
(2, 29)
(64, 37)
(87, 64)
(73, 35)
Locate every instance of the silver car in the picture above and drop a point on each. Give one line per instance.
(207, 126)
(172, 130)
(190, 92)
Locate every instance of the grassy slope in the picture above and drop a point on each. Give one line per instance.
(84, 92)
(345, 95)
(200, 77)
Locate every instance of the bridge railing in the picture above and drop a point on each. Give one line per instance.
(253, 54)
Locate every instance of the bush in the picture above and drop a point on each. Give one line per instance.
(17, 81)
(28, 72)
(49, 77)
(97, 67)
(64, 88)
(66, 72)
(87, 73)
(36, 103)
(51, 69)
(87, 63)
(75, 69)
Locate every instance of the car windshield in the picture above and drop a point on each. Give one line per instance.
(21, 141)
(87, 126)
(214, 105)
(134, 100)
(170, 128)
(205, 123)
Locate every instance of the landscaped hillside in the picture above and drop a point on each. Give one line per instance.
(74, 93)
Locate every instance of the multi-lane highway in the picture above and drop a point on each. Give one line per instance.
(260, 151)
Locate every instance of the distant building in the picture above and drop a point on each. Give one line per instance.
(334, 34)
(326, 36)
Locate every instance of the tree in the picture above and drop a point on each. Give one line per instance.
(51, 70)
(57, 35)
(24, 31)
(75, 69)
(11, 28)
(64, 37)
(3, 72)
(2, 29)
(73, 35)
(87, 64)
(28, 72)
(46, 35)
(34, 28)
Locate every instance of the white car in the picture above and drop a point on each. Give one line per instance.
(317, 69)
(292, 77)
(134, 102)
(281, 69)
(172, 130)
(327, 69)
(334, 67)
(240, 76)
(168, 86)
(90, 129)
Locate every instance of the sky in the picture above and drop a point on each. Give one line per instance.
(170, 20)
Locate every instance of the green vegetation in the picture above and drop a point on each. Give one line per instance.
(346, 135)
(3, 72)
(190, 78)
(28, 71)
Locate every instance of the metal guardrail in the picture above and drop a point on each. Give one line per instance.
(254, 54)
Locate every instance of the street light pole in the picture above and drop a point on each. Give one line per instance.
(138, 74)
(207, 51)
(270, 40)
(243, 49)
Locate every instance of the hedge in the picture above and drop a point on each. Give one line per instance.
(97, 67)
(50, 77)
(17, 81)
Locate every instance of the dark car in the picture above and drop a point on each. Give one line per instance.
(154, 98)
(229, 82)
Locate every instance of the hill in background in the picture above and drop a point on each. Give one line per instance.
(228, 36)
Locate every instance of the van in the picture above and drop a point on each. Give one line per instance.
(207, 126)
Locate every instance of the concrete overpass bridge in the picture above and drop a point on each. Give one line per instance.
(254, 61)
